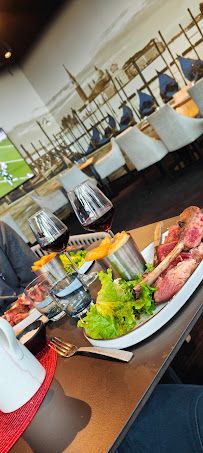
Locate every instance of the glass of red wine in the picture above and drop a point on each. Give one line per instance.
(93, 209)
(53, 236)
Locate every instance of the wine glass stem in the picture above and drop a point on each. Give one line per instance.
(75, 267)
(86, 279)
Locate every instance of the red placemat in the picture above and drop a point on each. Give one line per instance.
(14, 424)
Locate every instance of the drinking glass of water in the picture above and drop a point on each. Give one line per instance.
(40, 293)
(72, 294)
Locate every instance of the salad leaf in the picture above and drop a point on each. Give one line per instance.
(98, 326)
(149, 268)
(115, 311)
(78, 258)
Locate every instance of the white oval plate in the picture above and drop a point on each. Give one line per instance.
(163, 313)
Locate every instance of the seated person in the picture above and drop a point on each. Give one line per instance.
(16, 259)
(170, 421)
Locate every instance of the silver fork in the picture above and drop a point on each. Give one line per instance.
(67, 350)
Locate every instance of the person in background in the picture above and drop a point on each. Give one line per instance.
(16, 259)
(170, 421)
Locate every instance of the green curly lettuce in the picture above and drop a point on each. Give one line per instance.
(78, 258)
(115, 311)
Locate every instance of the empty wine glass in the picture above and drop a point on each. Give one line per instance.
(92, 208)
(53, 235)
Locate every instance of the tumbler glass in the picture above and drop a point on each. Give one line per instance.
(72, 294)
(40, 292)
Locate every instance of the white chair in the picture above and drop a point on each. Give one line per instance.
(86, 239)
(11, 222)
(175, 130)
(141, 149)
(38, 251)
(111, 162)
(196, 93)
(54, 202)
(73, 177)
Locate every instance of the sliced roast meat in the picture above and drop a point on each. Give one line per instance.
(23, 300)
(172, 234)
(190, 235)
(189, 228)
(12, 315)
(197, 253)
(164, 249)
(19, 310)
(19, 317)
(191, 231)
(172, 282)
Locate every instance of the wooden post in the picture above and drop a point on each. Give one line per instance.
(193, 18)
(167, 47)
(121, 87)
(144, 81)
(84, 127)
(80, 122)
(185, 34)
(117, 91)
(32, 160)
(46, 154)
(89, 116)
(161, 55)
(63, 148)
(62, 151)
(84, 130)
(107, 102)
(92, 113)
(27, 153)
(43, 146)
(98, 107)
(67, 154)
(44, 132)
(35, 149)
(75, 139)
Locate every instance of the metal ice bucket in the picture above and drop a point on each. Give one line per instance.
(54, 266)
(126, 261)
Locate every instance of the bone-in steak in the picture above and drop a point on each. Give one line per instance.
(173, 281)
(190, 235)
(191, 223)
(172, 234)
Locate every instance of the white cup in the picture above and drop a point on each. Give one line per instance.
(21, 373)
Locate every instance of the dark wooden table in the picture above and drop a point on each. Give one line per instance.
(92, 402)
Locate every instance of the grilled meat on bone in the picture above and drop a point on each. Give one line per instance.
(189, 236)
(172, 282)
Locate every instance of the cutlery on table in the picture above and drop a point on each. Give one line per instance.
(67, 350)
